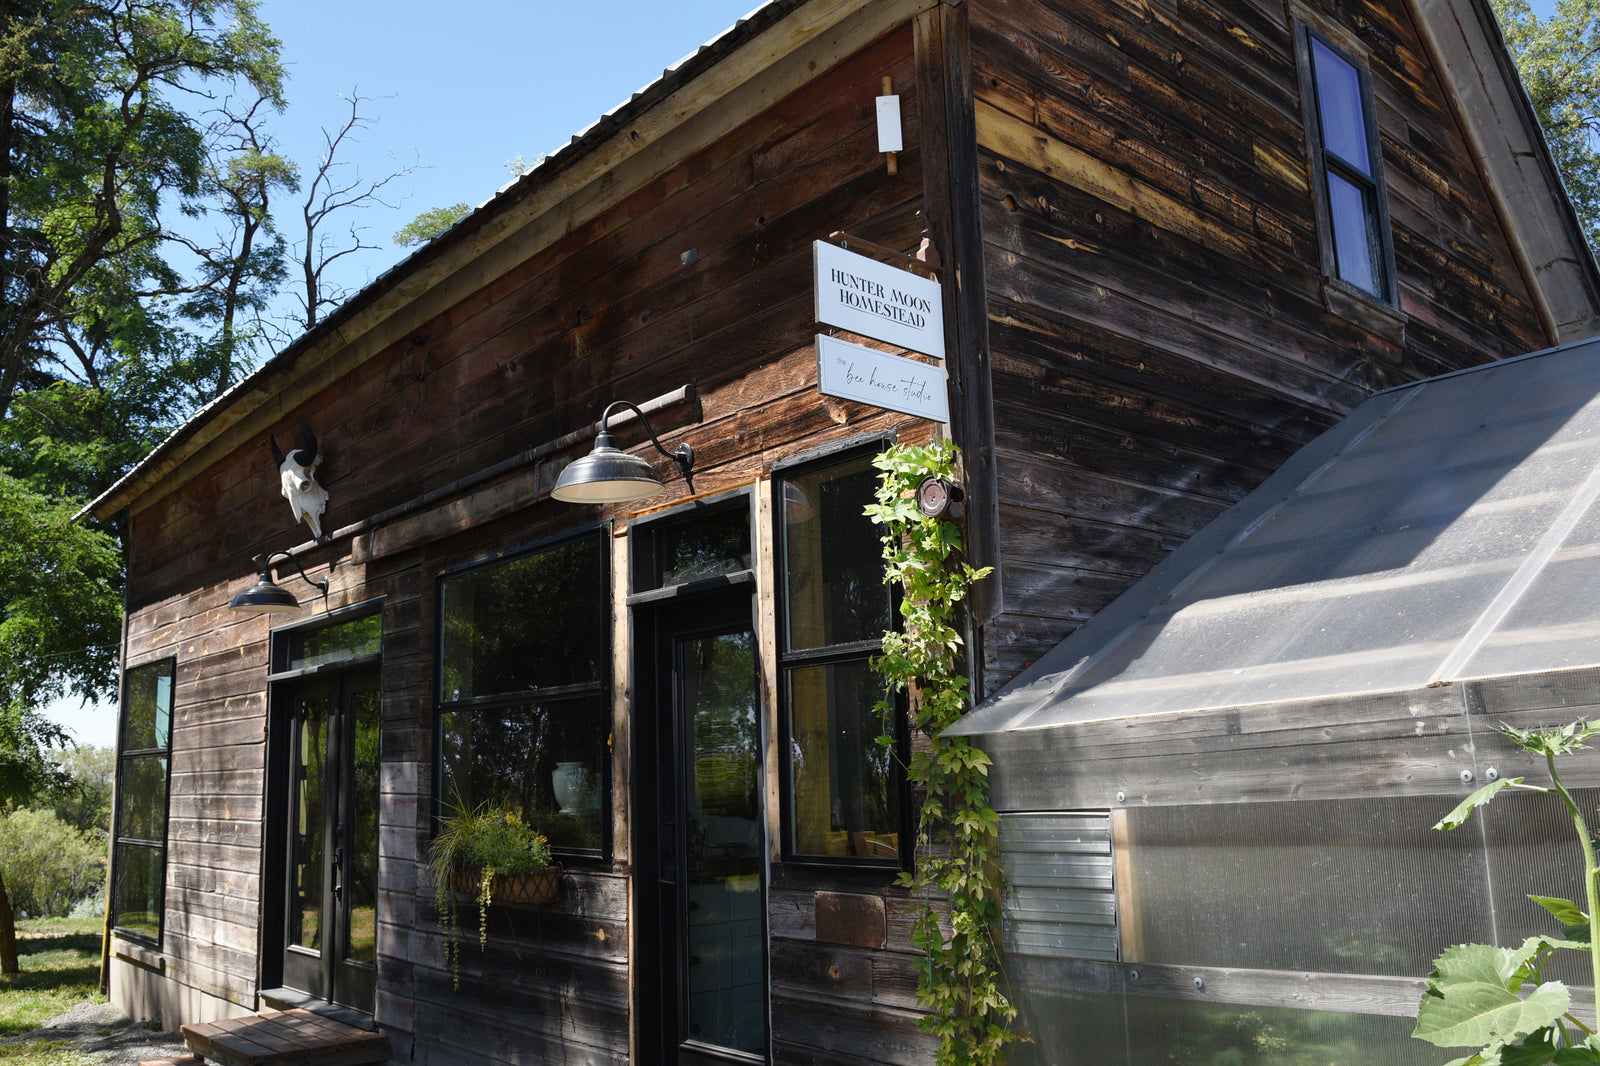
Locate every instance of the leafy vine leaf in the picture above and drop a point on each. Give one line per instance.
(957, 855)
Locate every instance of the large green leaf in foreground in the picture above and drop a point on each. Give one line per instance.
(1470, 1004)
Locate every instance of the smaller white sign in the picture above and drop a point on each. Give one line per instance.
(866, 375)
(879, 301)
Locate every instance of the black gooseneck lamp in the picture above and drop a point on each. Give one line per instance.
(266, 597)
(610, 475)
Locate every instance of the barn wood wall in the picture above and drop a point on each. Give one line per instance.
(613, 308)
(1159, 330)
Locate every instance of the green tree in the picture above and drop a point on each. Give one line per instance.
(247, 260)
(1559, 60)
(93, 149)
(428, 225)
(48, 864)
(85, 801)
(59, 630)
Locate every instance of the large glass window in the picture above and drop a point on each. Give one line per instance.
(1349, 180)
(144, 746)
(525, 715)
(842, 788)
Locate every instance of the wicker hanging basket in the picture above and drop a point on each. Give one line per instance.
(525, 889)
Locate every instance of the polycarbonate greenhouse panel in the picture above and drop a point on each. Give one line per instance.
(1327, 886)
(1445, 531)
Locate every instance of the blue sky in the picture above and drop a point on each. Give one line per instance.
(461, 88)
(465, 87)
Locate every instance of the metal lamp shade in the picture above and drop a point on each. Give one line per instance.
(606, 475)
(265, 598)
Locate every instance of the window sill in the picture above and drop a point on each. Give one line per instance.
(1364, 310)
(141, 955)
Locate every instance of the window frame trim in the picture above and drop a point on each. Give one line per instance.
(1322, 162)
(834, 453)
(644, 530)
(117, 836)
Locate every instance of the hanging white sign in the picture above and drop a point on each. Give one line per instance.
(876, 300)
(854, 372)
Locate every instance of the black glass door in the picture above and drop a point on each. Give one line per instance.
(330, 919)
(705, 846)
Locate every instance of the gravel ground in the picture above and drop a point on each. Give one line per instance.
(106, 1035)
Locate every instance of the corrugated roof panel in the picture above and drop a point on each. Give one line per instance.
(1448, 534)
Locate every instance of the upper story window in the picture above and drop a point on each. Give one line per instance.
(842, 788)
(144, 748)
(524, 701)
(1347, 171)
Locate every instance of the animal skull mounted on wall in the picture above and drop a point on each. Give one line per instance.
(298, 473)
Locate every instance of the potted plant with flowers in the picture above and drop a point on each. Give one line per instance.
(487, 853)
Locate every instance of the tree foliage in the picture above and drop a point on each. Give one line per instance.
(47, 864)
(93, 145)
(1559, 60)
(246, 261)
(59, 625)
(85, 801)
(428, 225)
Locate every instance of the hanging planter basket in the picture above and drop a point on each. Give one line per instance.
(516, 889)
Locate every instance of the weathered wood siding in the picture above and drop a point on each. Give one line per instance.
(1160, 332)
(701, 275)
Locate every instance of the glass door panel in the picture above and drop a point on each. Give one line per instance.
(362, 878)
(725, 974)
(308, 820)
(330, 918)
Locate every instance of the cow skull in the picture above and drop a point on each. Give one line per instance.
(298, 473)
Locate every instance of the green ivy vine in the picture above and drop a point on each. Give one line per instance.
(957, 845)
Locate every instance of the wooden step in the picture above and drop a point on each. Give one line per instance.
(175, 1060)
(285, 1038)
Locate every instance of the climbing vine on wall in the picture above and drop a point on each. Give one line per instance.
(958, 832)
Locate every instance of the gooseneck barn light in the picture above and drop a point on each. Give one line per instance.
(610, 475)
(266, 597)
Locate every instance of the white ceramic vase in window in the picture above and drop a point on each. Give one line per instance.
(574, 788)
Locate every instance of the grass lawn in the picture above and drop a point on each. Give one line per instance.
(60, 969)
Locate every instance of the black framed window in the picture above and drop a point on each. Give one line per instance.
(1347, 170)
(144, 750)
(843, 790)
(524, 698)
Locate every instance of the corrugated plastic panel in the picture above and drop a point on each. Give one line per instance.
(1060, 898)
(1445, 532)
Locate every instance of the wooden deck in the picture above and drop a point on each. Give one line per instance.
(285, 1038)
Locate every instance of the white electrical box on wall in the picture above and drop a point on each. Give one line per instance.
(889, 138)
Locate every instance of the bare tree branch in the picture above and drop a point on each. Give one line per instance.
(336, 185)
